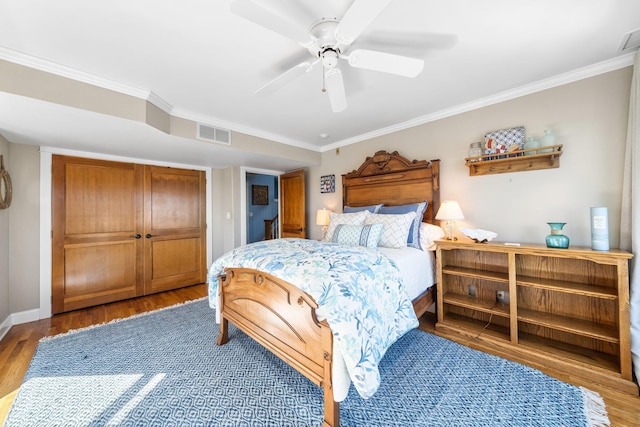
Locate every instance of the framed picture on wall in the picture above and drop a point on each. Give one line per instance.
(259, 195)
(328, 184)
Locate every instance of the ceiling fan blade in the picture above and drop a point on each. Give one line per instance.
(357, 18)
(406, 43)
(251, 11)
(386, 62)
(287, 77)
(335, 87)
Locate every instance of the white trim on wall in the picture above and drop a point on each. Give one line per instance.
(46, 156)
(46, 162)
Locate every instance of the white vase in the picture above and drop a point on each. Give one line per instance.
(547, 140)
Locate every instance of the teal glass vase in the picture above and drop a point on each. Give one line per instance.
(547, 140)
(556, 239)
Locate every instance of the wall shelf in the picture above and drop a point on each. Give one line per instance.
(510, 162)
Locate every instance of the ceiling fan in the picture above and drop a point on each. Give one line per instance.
(328, 41)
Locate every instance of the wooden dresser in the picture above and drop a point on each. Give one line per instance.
(563, 309)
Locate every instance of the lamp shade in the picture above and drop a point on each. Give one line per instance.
(449, 210)
(322, 217)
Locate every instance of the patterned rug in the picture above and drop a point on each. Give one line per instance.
(164, 369)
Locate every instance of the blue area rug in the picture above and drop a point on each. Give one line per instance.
(164, 369)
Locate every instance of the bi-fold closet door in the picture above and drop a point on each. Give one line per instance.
(122, 230)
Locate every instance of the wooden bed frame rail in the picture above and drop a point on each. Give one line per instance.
(282, 318)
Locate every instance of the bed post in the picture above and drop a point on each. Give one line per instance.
(331, 407)
(223, 335)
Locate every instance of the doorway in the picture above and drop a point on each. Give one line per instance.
(262, 194)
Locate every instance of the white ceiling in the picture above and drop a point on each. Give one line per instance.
(205, 63)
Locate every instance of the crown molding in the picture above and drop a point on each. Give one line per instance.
(555, 81)
(83, 77)
(159, 102)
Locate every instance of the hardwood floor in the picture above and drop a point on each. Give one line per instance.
(18, 346)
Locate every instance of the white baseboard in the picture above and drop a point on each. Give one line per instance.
(25, 316)
(4, 327)
(17, 319)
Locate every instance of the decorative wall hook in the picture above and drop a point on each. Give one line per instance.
(5, 186)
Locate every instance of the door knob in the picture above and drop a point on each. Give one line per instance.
(137, 236)
(148, 236)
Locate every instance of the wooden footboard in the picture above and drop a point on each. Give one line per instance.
(282, 318)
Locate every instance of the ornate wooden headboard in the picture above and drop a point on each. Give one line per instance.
(394, 180)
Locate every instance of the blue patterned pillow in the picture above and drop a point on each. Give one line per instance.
(335, 219)
(372, 208)
(414, 232)
(358, 235)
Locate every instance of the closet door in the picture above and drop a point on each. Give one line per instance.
(122, 230)
(97, 215)
(174, 228)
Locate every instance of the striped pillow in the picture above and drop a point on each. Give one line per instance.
(358, 235)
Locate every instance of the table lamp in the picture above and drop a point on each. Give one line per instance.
(322, 218)
(450, 212)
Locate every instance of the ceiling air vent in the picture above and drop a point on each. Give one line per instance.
(209, 133)
(630, 40)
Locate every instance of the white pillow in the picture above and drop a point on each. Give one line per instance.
(396, 228)
(429, 233)
(358, 235)
(335, 219)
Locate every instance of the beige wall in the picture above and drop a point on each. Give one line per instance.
(4, 243)
(589, 118)
(24, 259)
(226, 199)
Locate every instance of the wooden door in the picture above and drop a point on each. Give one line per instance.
(96, 237)
(174, 228)
(122, 230)
(292, 205)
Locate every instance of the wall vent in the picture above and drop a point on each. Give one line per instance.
(630, 41)
(210, 133)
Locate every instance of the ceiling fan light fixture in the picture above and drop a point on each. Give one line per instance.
(329, 58)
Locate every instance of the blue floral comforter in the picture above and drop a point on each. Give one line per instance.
(358, 291)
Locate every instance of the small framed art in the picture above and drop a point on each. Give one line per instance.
(259, 194)
(328, 184)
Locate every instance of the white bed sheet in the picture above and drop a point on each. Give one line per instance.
(417, 268)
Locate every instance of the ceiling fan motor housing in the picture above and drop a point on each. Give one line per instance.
(324, 33)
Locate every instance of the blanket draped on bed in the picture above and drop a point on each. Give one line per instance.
(358, 291)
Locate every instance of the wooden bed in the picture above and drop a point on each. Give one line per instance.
(282, 318)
